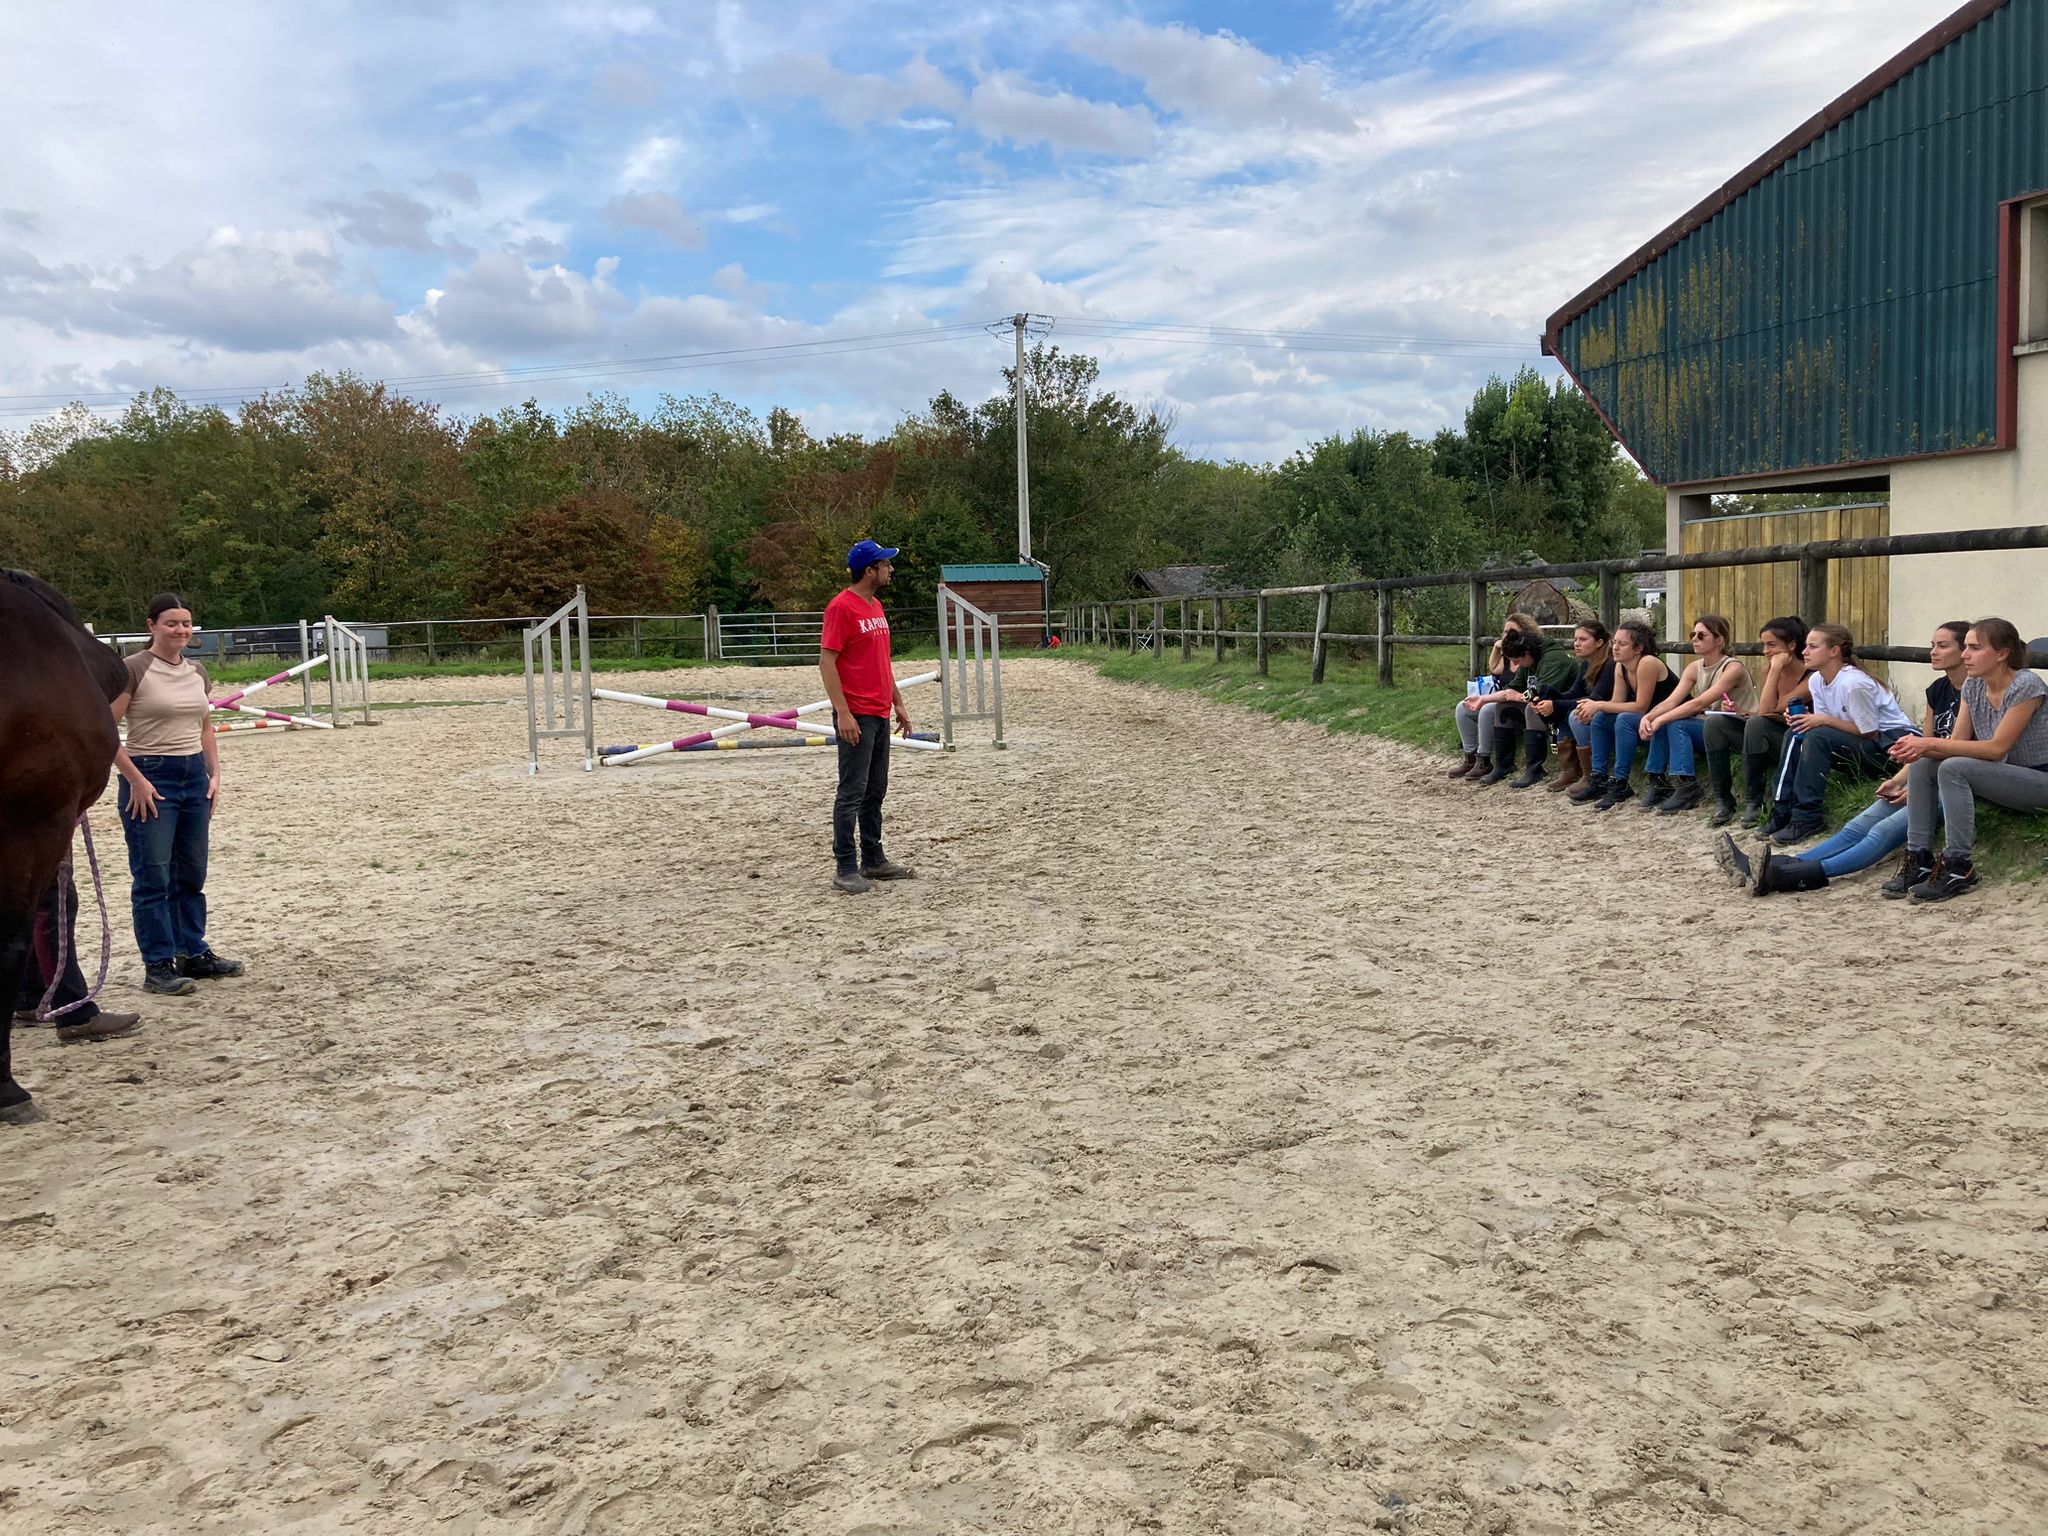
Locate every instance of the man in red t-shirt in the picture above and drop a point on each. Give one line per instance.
(853, 657)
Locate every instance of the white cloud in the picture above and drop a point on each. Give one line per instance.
(1219, 77)
(656, 212)
(1005, 108)
(850, 97)
(502, 305)
(652, 161)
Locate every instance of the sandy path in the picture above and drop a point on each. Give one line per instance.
(1235, 1130)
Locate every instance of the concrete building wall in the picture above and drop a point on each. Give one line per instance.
(1990, 490)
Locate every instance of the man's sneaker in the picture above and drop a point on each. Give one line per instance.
(851, 881)
(206, 966)
(1949, 877)
(888, 869)
(101, 1026)
(165, 981)
(1798, 831)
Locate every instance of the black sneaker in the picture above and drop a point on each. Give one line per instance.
(165, 981)
(1949, 877)
(851, 881)
(1913, 868)
(1798, 832)
(886, 868)
(1683, 797)
(206, 966)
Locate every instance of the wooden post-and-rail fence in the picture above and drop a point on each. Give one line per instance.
(1117, 623)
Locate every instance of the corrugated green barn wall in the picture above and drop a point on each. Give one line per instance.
(1845, 308)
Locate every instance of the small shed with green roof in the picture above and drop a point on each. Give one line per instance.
(1017, 595)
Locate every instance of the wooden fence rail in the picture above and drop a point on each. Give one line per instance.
(1203, 617)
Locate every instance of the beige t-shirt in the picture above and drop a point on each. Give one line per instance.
(167, 706)
(1741, 701)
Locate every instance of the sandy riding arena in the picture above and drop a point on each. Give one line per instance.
(1235, 1129)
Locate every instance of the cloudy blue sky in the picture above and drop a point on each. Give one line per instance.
(440, 191)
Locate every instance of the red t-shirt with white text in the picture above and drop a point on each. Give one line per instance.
(858, 630)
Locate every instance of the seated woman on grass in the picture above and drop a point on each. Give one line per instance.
(1879, 830)
(1999, 753)
(1759, 736)
(1593, 649)
(1478, 715)
(1677, 728)
(1853, 723)
(1641, 683)
(1542, 672)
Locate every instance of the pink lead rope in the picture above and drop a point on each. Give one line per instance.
(44, 1013)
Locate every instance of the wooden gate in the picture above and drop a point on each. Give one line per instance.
(1859, 591)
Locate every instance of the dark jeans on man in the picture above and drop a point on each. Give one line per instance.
(42, 959)
(863, 781)
(167, 859)
(1820, 750)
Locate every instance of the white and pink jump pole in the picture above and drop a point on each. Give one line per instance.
(744, 721)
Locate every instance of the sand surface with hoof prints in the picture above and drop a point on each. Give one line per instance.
(1233, 1130)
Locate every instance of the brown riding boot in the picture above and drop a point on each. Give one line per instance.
(1571, 766)
(1465, 767)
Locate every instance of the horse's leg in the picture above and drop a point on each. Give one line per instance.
(14, 936)
(27, 866)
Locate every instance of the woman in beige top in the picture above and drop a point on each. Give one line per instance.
(170, 783)
(1712, 680)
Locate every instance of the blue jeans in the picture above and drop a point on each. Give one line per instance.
(1626, 724)
(1872, 835)
(167, 859)
(863, 783)
(1680, 740)
(1812, 755)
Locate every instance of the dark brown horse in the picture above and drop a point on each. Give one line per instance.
(57, 743)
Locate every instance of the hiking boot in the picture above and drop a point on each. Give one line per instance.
(1949, 877)
(1724, 812)
(888, 869)
(1798, 831)
(1654, 792)
(1913, 868)
(1733, 861)
(851, 881)
(1594, 786)
(165, 981)
(1618, 790)
(1777, 873)
(1684, 796)
(206, 966)
(1470, 762)
(101, 1026)
(1482, 765)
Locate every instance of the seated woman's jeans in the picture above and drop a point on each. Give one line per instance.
(1681, 741)
(1870, 836)
(1596, 737)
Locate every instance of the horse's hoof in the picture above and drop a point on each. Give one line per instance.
(16, 1107)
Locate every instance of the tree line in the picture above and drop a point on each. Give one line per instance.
(339, 496)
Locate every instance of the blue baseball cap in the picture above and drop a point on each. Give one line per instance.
(865, 554)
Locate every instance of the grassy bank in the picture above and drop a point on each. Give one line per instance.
(1416, 712)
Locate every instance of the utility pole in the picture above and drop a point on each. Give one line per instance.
(1017, 322)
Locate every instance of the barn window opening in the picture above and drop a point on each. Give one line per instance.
(2033, 315)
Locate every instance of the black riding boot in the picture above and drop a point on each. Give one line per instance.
(1533, 745)
(1756, 785)
(1778, 873)
(1721, 774)
(1685, 794)
(1503, 756)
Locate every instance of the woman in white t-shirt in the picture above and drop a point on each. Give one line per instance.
(1998, 752)
(1852, 724)
(170, 782)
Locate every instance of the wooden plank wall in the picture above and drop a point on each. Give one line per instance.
(1859, 591)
